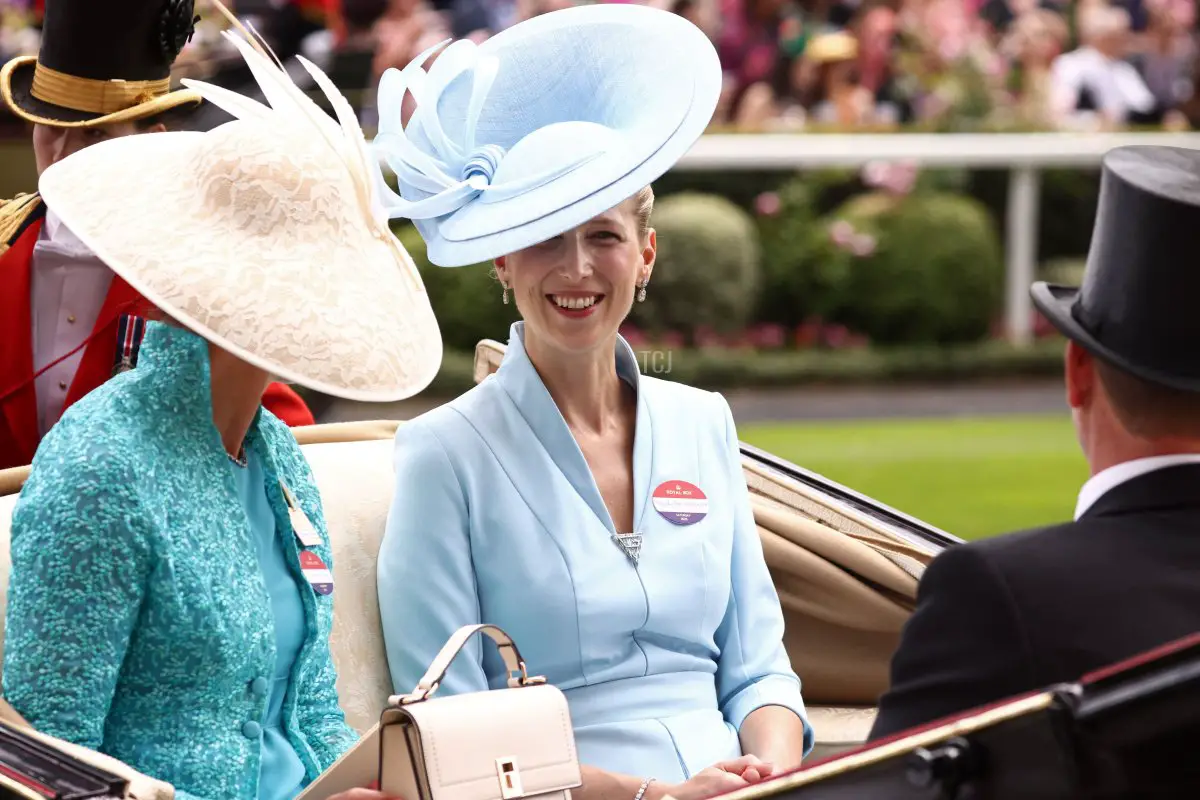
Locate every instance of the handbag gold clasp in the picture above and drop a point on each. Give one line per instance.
(510, 778)
(525, 679)
(418, 694)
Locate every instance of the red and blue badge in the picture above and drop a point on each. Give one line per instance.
(680, 502)
(316, 573)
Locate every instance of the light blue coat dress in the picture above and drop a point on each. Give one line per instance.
(497, 519)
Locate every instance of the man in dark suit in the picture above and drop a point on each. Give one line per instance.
(1016, 613)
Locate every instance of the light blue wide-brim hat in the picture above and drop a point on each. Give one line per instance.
(543, 126)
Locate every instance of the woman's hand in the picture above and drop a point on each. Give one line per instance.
(704, 784)
(750, 768)
(371, 792)
(363, 794)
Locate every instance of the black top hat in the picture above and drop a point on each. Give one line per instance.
(1137, 306)
(101, 62)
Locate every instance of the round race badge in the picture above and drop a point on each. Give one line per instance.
(316, 573)
(680, 502)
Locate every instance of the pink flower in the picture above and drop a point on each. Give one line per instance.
(952, 48)
(862, 245)
(841, 232)
(893, 177)
(767, 335)
(768, 204)
(836, 336)
(904, 177)
(706, 337)
(874, 173)
(994, 65)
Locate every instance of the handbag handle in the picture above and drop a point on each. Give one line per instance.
(433, 676)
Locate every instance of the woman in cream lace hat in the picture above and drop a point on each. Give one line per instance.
(171, 592)
(599, 516)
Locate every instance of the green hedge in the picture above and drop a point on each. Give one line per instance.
(934, 274)
(706, 273)
(922, 268)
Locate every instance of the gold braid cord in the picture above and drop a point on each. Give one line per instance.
(13, 214)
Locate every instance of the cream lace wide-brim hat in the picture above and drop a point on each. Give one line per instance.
(254, 236)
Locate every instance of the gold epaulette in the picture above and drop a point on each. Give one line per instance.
(13, 214)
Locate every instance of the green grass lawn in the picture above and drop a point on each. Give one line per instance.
(971, 477)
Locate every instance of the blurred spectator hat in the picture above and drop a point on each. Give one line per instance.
(101, 62)
(263, 235)
(1136, 306)
(830, 47)
(543, 126)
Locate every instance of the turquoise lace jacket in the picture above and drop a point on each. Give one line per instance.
(138, 622)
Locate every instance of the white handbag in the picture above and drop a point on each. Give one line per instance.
(499, 744)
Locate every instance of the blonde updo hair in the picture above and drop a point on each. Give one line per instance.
(643, 206)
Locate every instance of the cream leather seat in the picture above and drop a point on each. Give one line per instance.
(846, 582)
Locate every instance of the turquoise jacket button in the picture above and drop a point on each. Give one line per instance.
(252, 730)
(259, 686)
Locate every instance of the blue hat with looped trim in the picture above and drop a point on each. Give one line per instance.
(543, 126)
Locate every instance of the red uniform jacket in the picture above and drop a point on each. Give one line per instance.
(19, 435)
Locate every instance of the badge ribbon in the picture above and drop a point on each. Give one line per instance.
(304, 530)
(130, 330)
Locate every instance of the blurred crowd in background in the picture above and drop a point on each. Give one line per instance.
(796, 64)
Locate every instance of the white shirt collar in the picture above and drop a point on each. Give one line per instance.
(53, 224)
(1106, 480)
(57, 237)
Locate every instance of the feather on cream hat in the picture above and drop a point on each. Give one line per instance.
(264, 235)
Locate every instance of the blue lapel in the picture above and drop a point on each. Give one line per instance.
(521, 382)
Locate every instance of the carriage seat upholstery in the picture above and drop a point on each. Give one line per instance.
(352, 463)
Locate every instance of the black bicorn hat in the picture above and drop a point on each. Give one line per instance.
(101, 62)
(1137, 307)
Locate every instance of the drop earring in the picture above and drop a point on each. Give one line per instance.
(504, 296)
(641, 295)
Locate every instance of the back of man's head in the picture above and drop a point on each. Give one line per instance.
(1121, 417)
(1148, 410)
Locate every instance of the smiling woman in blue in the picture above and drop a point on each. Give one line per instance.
(597, 515)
